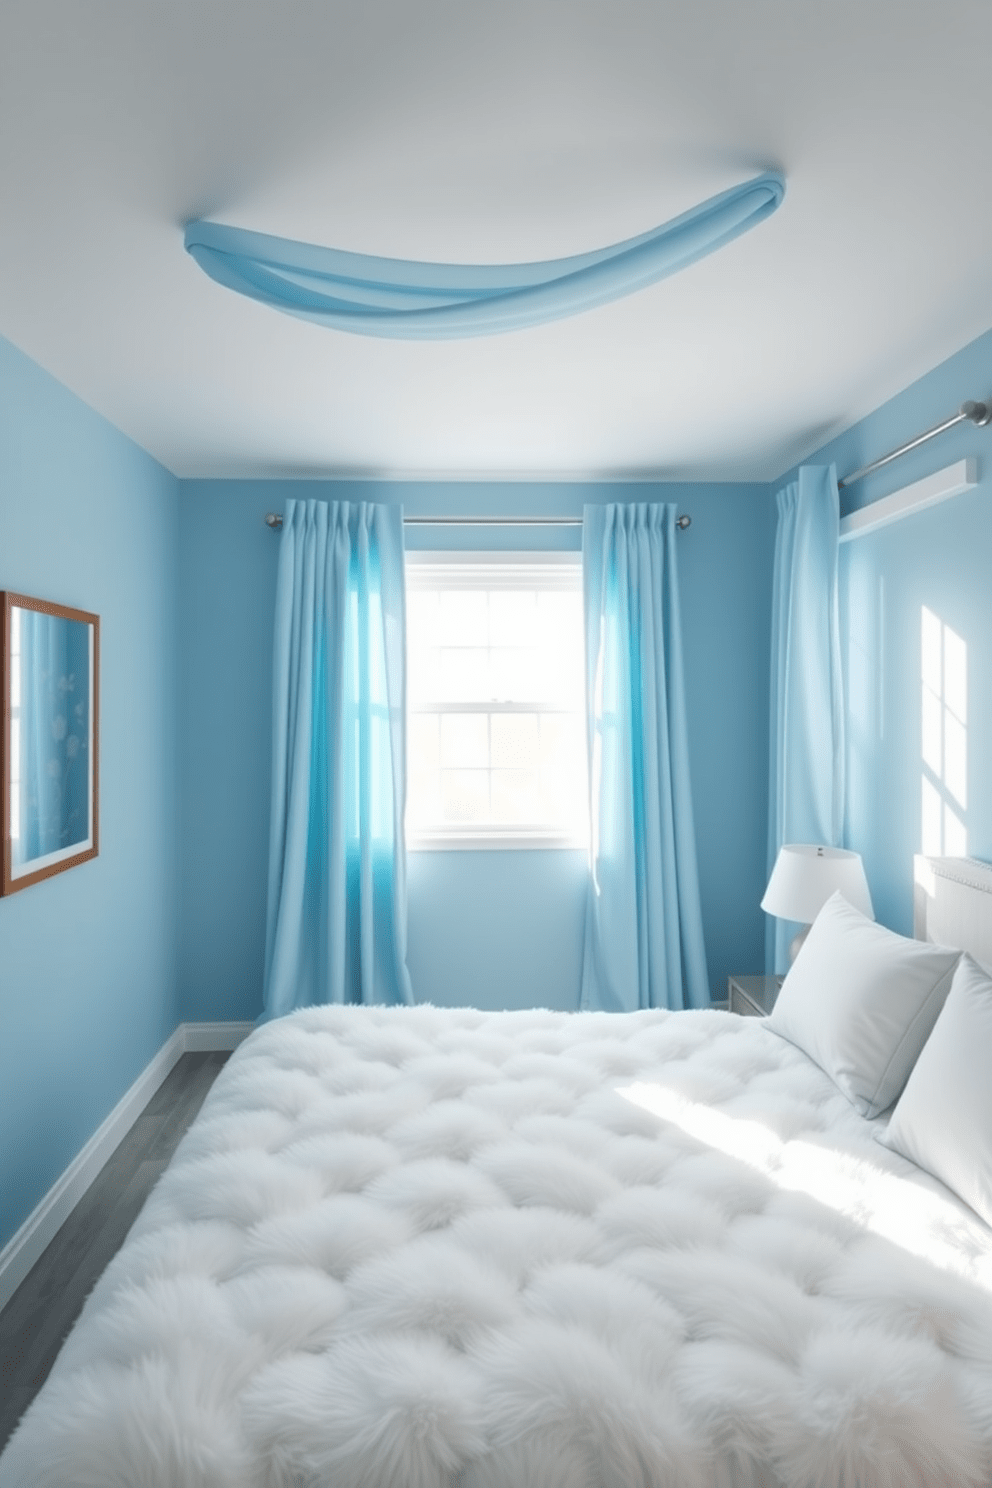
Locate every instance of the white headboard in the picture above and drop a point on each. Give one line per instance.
(952, 904)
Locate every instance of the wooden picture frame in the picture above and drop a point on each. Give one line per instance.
(50, 739)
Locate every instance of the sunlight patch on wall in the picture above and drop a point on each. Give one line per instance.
(943, 738)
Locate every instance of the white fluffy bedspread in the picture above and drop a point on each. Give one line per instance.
(418, 1248)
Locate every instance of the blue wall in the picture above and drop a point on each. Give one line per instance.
(940, 558)
(495, 928)
(87, 958)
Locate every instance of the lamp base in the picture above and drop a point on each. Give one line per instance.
(797, 942)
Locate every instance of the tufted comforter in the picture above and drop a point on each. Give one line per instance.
(412, 1248)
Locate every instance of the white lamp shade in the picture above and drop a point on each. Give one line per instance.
(805, 876)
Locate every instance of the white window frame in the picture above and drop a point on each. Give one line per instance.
(459, 569)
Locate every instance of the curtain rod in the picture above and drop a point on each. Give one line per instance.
(274, 520)
(974, 413)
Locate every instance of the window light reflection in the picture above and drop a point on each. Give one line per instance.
(943, 738)
(895, 1208)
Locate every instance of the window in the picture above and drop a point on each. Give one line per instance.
(496, 719)
(944, 738)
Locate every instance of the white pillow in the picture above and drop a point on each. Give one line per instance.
(861, 1001)
(943, 1121)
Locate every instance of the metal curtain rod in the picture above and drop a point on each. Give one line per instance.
(973, 413)
(274, 520)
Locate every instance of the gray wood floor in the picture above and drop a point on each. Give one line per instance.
(37, 1319)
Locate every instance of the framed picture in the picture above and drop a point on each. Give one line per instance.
(49, 746)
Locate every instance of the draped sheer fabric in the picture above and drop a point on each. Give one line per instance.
(644, 935)
(433, 301)
(336, 923)
(806, 726)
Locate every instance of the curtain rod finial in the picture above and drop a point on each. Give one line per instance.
(273, 519)
(683, 522)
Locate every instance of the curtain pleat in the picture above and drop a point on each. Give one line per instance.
(806, 725)
(644, 935)
(336, 922)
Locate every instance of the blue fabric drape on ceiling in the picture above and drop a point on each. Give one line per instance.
(427, 301)
(336, 924)
(806, 727)
(644, 932)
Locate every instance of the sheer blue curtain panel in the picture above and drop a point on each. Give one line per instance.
(336, 925)
(433, 301)
(644, 932)
(806, 725)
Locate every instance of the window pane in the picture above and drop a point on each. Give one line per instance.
(423, 742)
(423, 801)
(563, 770)
(423, 785)
(423, 670)
(464, 740)
(562, 743)
(562, 682)
(423, 616)
(561, 648)
(465, 796)
(561, 618)
(514, 741)
(515, 797)
(464, 613)
(464, 675)
(512, 617)
(513, 674)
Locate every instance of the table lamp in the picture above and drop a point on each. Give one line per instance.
(803, 879)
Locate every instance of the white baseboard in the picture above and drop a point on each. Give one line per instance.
(209, 1038)
(43, 1223)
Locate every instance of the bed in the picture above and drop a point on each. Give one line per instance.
(425, 1248)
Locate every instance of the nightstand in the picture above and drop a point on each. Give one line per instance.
(754, 996)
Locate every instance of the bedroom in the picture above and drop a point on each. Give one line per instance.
(100, 965)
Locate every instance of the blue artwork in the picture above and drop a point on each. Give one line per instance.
(50, 685)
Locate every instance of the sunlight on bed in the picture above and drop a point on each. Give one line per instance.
(895, 1208)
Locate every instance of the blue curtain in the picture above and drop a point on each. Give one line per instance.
(336, 927)
(393, 297)
(806, 730)
(644, 931)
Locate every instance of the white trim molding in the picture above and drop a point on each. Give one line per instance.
(211, 1038)
(932, 489)
(37, 1232)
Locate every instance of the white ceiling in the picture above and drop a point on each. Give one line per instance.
(488, 131)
